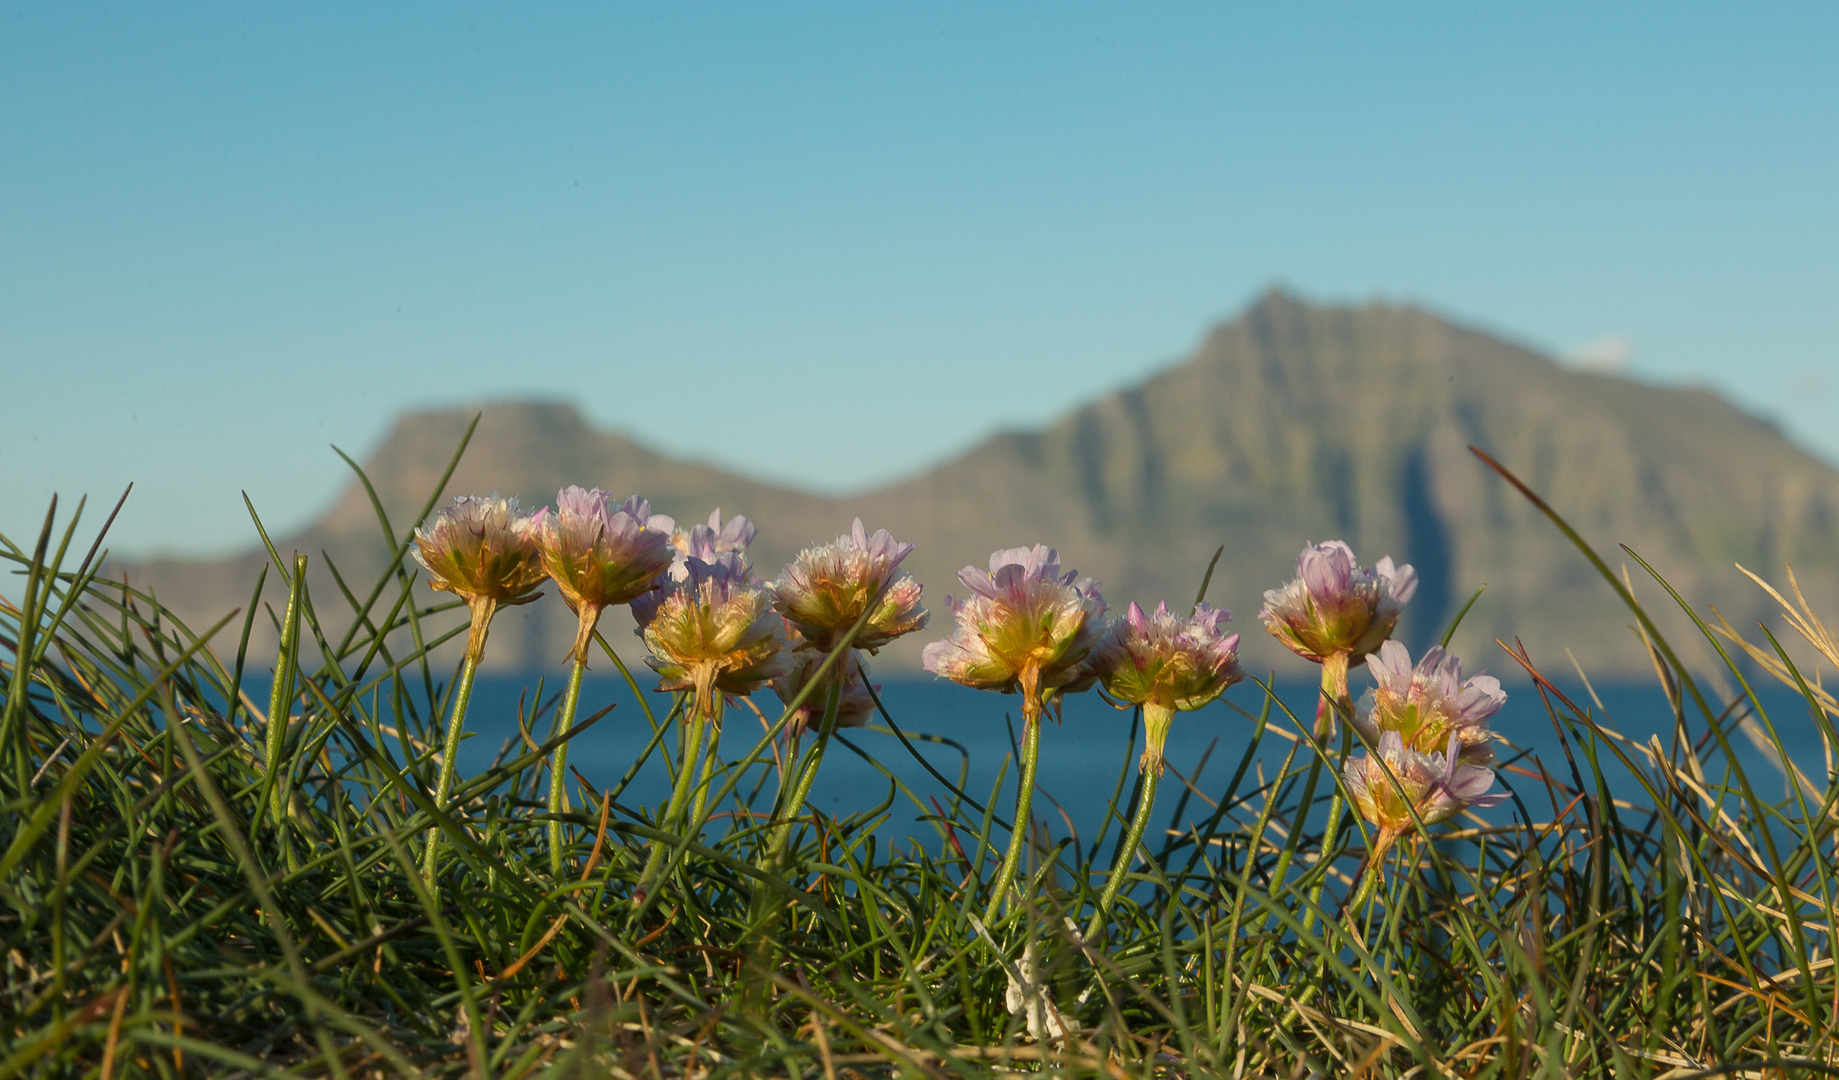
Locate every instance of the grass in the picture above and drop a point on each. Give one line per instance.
(193, 884)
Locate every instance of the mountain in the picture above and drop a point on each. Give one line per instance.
(1292, 423)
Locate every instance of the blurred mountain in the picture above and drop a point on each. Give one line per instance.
(1292, 423)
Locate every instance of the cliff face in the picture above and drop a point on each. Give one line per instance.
(1290, 424)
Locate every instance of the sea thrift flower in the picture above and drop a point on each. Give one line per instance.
(705, 542)
(826, 589)
(600, 556)
(713, 631)
(1025, 626)
(1394, 783)
(1334, 607)
(853, 708)
(484, 551)
(1430, 704)
(1167, 664)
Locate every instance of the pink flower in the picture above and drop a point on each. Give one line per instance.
(1168, 664)
(1334, 607)
(600, 556)
(484, 551)
(713, 631)
(1395, 782)
(1430, 704)
(705, 542)
(853, 708)
(481, 547)
(1025, 626)
(826, 589)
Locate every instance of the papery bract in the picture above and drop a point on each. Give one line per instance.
(1429, 704)
(826, 589)
(714, 631)
(1024, 627)
(1336, 607)
(600, 556)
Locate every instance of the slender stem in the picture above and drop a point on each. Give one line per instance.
(1334, 681)
(1146, 802)
(456, 723)
(708, 761)
(1018, 833)
(673, 810)
(558, 770)
(805, 773)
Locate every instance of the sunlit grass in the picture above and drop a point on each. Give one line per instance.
(190, 884)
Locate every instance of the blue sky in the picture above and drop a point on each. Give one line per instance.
(834, 244)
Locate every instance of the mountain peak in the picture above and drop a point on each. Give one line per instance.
(1294, 422)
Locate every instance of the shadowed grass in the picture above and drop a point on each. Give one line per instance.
(190, 885)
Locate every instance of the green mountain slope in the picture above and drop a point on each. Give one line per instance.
(1292, 423)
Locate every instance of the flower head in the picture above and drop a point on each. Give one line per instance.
(1430, 704)
(484, 551)
(1025, 626)
(826, 589)
(1395, 782)
(1167, 660)
(1167, 664)
(713, 631)
(1334, 606)
(853, 707)
(705, 542)
(600, 556)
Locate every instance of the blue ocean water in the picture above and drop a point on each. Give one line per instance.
(1086, 756)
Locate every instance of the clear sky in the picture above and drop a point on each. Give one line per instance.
(834, 244)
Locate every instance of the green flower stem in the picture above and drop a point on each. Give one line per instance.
(456, 723)
(673, 810)
(558, 770)
(1334, 681)
(1146, 802)
(714, 740)
(803, 775)
(1018, 834)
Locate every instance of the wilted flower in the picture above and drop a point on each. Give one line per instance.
(853, 707)
(1167, 664)
(1025, 626)
(713, 631)
(1430, 704)
(1395, 782)
(600, 556)
(826, 589)
(1336, 608)
(484, 551)
(705, 542)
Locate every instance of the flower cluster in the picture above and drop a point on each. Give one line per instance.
(483, 550)
(1169, 664)
(1429, 704)
(1428, 730)
(705, 542)
(713, 630)
(853, 583)
(1334, 607)
(854, 704)
(827, 589)
(599, 556)
(1025, 626)
(1397, 787)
